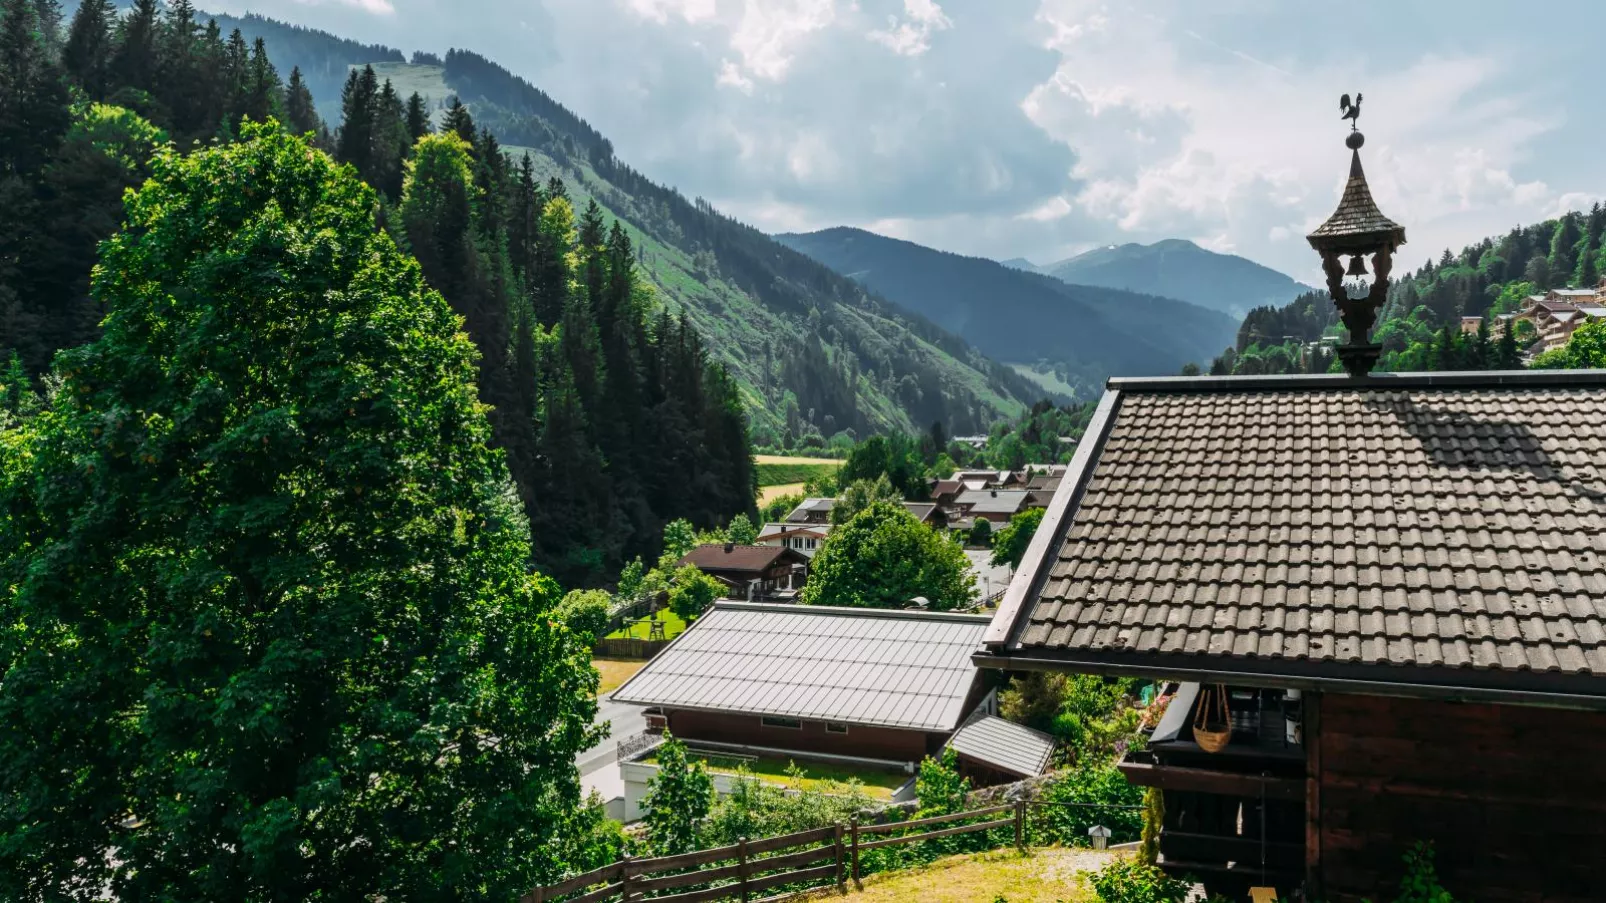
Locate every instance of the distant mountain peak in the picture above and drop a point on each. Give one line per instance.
(1179, 268)
(1034, 322)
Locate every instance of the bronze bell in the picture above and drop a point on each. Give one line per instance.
(1357, 265)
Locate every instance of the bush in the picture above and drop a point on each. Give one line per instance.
(692, 592)
(585, 612)
(678, 797)
(1129, 881)
(1096, 791)
(755, 809)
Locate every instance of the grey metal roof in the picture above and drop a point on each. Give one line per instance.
(904, 669)
(1004, 745)
(991, 501)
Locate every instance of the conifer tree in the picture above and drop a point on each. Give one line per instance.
(459, 121)
(417, 118)
(136, 62)
(264, 94)
(357, 103)
(301, 113)
(87, 54)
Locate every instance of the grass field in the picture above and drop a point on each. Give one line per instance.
(767, 494)
(1047, 875)
(781, 471)
(877, 784)
(788, 459)
(614, 671)
(673, 627)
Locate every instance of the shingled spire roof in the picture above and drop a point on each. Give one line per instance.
(1357, 223)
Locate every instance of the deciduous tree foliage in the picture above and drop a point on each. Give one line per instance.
(1009, 547)
(883, 558)
(678, 797)
(266, 627)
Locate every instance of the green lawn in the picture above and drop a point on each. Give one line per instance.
(673, 627)
(816, 775)
(776, 473)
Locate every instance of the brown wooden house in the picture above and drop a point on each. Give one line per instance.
(751, 572)
(1385, 594)
(1422, 557)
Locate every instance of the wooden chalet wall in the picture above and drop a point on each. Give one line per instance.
(860, 740)
(1513, 797)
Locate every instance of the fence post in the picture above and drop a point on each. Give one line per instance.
(741, 865)
(624, 879)
(1020, 825)
(841, 878)
(853, 828)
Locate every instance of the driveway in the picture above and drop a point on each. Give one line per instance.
(623, 720)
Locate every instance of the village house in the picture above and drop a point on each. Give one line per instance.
(1384, 596)
(752, 572)
(1556, 313)
(804, 538)
(818, 511)
(859, 687)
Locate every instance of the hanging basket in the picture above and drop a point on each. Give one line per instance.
(1212, 726)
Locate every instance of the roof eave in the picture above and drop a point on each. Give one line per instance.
(1442, 684)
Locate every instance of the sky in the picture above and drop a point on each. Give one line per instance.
(1042, 128)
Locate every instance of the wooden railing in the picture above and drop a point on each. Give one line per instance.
(818, 859)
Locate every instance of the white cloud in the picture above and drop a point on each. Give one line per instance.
(1039, 128)
(770, 32)
(660, 10)
(911, 36)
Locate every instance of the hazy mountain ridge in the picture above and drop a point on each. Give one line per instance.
(1177, 268)
(1086, 333)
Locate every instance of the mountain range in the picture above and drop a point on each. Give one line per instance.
(1040, 325)
(1176, 268)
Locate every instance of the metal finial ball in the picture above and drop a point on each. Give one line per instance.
(1354, 140)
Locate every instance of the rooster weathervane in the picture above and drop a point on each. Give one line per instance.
(1352, 111)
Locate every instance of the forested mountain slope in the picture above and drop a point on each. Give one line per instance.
(1084, 333)
(1420, 326)
(811, 351)
(1176, 268)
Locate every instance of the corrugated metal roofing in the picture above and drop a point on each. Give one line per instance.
(1004, 745)
(904, 669)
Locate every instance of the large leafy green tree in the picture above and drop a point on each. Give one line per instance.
(1586, 348)
(266, 629)
(884, 558)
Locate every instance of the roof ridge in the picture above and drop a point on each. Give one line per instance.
(907, 614)
(1464, 379)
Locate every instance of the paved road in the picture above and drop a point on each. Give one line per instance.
(624, 720)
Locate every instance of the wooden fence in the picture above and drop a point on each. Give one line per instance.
(825, 857)
(628, 647)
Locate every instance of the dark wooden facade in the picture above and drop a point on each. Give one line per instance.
(1512, 797)
(865, 741)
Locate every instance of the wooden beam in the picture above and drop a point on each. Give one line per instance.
(1312, 704)
(1204, 780)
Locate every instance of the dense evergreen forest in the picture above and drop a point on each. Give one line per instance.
(1420, 326)
(596, 393)
(812, 353)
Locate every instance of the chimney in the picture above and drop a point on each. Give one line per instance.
(1357, 229)
(730, 546)
(995, 493)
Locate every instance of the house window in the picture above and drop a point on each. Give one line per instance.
(789, 723)
(811, 543)
(835, 727)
